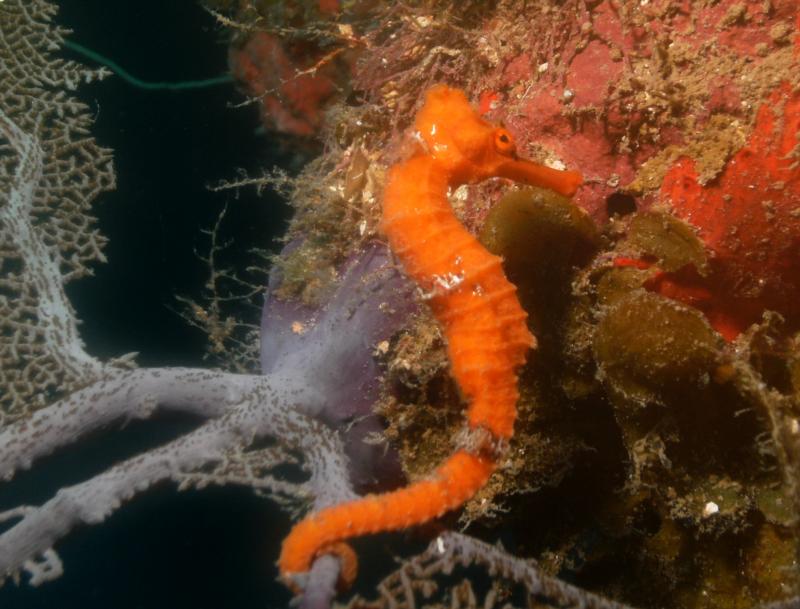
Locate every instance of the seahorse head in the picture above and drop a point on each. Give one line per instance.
(470, 149)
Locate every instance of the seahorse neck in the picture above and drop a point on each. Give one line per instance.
(432, 179)
(414, 189)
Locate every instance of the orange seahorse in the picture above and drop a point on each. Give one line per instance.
(483, 322)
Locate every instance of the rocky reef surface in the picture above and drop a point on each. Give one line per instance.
(655, 459)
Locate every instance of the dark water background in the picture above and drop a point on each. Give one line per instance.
(213, 549)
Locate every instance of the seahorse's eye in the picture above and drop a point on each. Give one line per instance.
(503, 141)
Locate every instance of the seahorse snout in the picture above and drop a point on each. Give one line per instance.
(521, 170)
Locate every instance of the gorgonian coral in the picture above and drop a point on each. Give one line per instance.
(51, 171)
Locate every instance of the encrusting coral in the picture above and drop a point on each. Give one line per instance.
(291, 64)
(749, 221)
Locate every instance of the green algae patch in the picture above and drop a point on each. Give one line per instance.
(543, 238)
(537, 227)
(672, 242)
(646, 343)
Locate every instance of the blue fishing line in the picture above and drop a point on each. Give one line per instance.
(141, 84)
